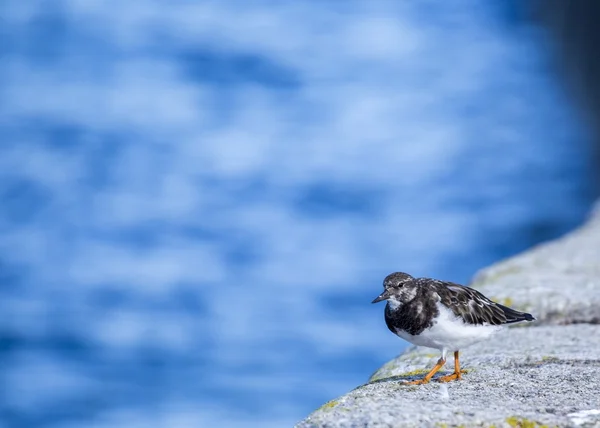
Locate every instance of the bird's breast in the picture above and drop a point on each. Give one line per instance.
(444, 331)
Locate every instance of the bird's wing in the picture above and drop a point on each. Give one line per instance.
(470, 305)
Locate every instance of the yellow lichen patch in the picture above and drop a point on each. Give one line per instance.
(546, 359)
(415, 372)
(517, 422)
(550, 359)
(329, 405)
(506, 301)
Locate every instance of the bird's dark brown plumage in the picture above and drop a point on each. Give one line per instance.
(420, 310)
(472, 306)
(420, 298)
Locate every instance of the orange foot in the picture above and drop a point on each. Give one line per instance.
(453, 376)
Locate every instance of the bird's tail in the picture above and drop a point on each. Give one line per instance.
(513, 316)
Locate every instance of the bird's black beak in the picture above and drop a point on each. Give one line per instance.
(383, 296)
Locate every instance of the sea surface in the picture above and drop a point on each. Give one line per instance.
(199, 199)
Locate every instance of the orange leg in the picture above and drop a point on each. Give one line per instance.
(457, 373)
(429, 375)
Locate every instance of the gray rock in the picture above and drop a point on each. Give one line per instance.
(544, 373)
(559, 282)
(541, 375)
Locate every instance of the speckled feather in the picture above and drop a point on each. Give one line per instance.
(472, 306)
(413, 305)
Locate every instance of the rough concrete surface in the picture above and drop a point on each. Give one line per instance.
(542, 374)
(558, 281)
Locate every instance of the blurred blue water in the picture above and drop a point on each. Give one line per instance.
(200, 199)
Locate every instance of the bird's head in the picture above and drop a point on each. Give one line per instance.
(395, 288)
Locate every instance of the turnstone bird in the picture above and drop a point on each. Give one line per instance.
(441, 315)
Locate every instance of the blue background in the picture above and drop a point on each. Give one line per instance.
(200, 199)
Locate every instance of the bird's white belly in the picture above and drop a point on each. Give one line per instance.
(449, 332)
